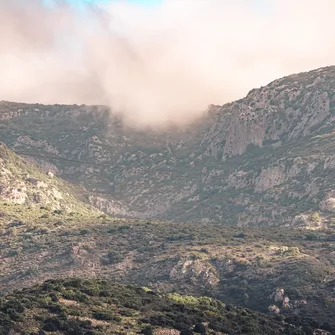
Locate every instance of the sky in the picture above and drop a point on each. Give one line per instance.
(158, 61)
(102, 2)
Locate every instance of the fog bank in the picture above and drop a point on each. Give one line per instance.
(158, 65)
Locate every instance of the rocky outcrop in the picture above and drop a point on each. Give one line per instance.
(328, 203)
(283, 302)
(195, 270)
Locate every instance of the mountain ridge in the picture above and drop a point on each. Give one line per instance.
(244, 158)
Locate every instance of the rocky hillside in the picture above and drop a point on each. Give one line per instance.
(94, 307)
(267, 159)
(278, 271)
(22, 183)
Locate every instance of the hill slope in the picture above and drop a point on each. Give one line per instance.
(266, 159)
(75, 307)
(26, 189)
(284, 271)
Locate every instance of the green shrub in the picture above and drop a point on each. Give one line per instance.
(199, 328)
(106, 315)
(112, 257)
(147, 330)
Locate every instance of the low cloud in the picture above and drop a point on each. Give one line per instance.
(158, 65)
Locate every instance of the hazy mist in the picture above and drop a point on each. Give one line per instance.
(160, 64)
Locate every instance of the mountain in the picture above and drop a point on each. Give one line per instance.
(93, 307)
(267, 159)
(239, 206)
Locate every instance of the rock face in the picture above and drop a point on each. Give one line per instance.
(197, 271)
(262, 160)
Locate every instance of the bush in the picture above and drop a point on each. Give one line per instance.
(147, 330)
(115, 256)
(52, 325)
(186, 332)
(105, 316)
(199, 328)
(77, 296)
(73, 327)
